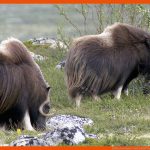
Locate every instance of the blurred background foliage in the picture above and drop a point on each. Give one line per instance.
(67, 21)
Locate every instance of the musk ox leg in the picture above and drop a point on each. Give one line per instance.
(78, 100)
(2, 128)
(96, 98)
(133, 75)
(126, 91)
(27, 122)
(117, 92)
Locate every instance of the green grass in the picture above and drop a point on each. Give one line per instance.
(116, 122)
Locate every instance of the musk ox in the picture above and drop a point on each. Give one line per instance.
(24, 94)
(107, 62)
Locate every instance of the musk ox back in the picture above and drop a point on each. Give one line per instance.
(23, 91)
(107, 62)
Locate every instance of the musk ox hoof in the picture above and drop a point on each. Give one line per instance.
(96, 98)
(126, 92)
(78, 100)
(117, 92)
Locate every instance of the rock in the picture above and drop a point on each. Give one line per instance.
(44, 41)
(69, 129)
(69, 135)
(27, 140)
(37, 57)
(61, 65)
(64, 120)
(66, 129)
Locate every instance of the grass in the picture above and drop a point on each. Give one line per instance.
(116, 122)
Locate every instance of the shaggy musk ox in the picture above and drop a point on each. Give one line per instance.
(24, 100)
(107, 62)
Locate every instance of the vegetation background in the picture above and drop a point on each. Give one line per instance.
(124, 122)
(28, 21)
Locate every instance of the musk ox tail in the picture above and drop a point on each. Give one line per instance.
(13, 54)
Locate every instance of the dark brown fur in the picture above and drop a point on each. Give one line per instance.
(97, 64)
(22, 85)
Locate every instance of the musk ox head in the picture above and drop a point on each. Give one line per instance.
(107, 62)
(24, 94)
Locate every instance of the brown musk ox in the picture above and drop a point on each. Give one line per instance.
(24, 94)
(107, 62)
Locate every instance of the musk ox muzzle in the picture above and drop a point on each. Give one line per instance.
(108, 62)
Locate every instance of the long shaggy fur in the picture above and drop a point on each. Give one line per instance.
(97, 64)
(22, 85)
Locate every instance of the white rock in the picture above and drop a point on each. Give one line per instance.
(53, 43)
(37, 57)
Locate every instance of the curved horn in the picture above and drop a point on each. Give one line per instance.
(41, 108)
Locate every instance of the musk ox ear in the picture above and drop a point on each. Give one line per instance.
(147, 42)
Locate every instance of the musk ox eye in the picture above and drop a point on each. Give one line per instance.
(48, 88)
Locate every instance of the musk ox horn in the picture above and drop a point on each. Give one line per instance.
(44, 103)
(41, 108)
